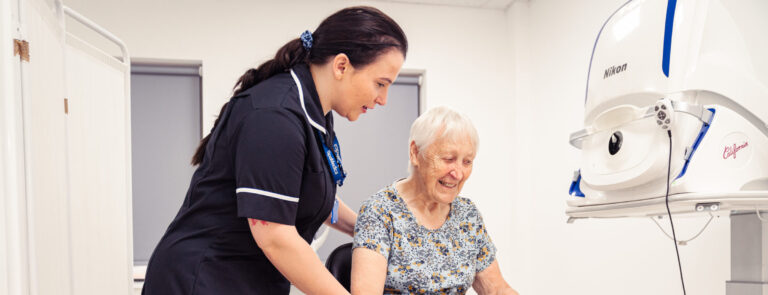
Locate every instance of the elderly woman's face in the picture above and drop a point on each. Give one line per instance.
(444, 167)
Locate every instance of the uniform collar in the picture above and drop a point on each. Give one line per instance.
(311, 103)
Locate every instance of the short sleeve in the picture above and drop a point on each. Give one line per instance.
(270, 149)
(372, 229)
(486, 249)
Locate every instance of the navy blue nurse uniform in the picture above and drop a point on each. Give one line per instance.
(264, 161)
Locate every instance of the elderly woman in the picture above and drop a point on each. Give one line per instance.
(417, 235)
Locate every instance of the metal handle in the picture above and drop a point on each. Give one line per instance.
(126, 59)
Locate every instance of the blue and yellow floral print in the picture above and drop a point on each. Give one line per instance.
(420, 260)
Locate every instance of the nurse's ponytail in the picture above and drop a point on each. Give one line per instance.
(362, 33)
(287, 56)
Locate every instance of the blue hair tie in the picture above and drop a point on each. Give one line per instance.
(306, 39)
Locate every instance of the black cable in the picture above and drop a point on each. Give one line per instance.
(666, 198)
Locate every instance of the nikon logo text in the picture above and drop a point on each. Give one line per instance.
(614, 70)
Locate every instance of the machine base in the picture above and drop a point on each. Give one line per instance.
(678, 204)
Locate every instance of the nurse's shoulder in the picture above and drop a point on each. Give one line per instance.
(274, 102)
(277, 91)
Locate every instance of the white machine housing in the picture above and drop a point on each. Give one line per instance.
(709, 60)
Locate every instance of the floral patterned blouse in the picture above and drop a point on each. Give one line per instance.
(420, 260)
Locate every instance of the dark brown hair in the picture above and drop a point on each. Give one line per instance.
(362, 33)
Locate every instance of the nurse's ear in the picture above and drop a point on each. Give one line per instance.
(340, 66)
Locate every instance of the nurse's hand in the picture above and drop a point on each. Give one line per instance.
(294, 258)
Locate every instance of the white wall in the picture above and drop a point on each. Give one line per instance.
(553, 42)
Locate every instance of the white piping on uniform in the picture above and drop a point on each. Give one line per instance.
(301, 98)
(266, 194)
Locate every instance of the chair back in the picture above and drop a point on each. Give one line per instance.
(339, 263)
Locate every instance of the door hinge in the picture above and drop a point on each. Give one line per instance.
(21, 48)
(66, 106)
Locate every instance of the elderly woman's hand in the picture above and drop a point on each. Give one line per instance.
(490, 281)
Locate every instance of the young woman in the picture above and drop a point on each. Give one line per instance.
(268, 171)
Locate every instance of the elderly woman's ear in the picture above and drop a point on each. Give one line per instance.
(414, 154)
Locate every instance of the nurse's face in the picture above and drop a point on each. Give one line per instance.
(443, 167)
(365, 87)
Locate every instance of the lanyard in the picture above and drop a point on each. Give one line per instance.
(334, 161)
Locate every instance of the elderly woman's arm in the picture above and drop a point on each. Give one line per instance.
(369, 272)
(490, 281)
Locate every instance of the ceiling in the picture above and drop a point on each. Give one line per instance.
(488, 4)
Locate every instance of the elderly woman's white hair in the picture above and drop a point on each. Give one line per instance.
(441, 122)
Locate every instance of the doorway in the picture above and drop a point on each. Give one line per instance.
(166, 120)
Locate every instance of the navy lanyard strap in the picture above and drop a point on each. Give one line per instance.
(334, 159)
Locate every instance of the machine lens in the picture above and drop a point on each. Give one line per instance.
(614, 144)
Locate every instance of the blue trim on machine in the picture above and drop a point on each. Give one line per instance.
(671, 4)
(702, 132)
(589, 71)
(575, 187)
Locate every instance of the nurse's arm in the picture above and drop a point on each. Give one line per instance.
(369, 272)
(490, 281)
(347, 218)
(294, 258)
